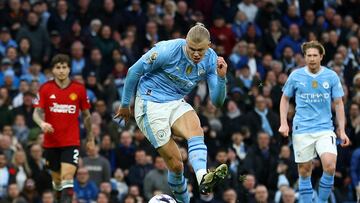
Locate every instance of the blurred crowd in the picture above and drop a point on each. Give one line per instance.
(260, 39)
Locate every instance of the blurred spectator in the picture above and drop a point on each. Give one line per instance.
(97, 166)
(78, 33)
(263, 119)
(125, 152)
(182, 17)
(39, 38)
(38, 171)
(26, 109)
(226, 8)
(13, 195)
(111, 16)
(21, 165)
(30, 192)
(119, 183)
(61, 19)
(230, 196)
(261, 194)
(246, 191)
(354, 170)
(231, 121)
(288, 60)
(272, 37)
(21, 131)
(18, 98)
(230, 181)
(222, 34)
(47, 197)
(331, 46)
(292, 17)
(78, 61)
(104, 198)
(109, 192)
(249, 8)
(156, 179)
(24, 54)
(138, 171)
(34, 73)
(7, 175)
(41, 9)
(85, 188)
(107, 151)
(259, 155)
(106, 45)
(288, 196)
(83, 12)
(293, 40)
(6, 41)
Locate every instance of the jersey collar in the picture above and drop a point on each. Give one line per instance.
(322, 68)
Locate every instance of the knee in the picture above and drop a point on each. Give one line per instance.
(305, 170)
(67, 176)
(329, 167)
(176, 166)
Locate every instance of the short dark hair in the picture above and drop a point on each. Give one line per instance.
(60, 58)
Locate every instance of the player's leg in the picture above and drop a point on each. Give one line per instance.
(305, 186)
(176, 180)
(188, 126)
(153, 121)
(304, 150)
(56, 182)
(52, 162)
(69, 162)
(326, 148)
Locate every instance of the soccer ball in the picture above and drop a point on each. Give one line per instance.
(162, 198)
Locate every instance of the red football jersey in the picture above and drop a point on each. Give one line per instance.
(62, 108)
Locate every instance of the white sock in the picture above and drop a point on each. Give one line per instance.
(199, 174)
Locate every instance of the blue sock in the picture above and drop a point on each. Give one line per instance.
(305, 189)
(197, 151)
(325, 185)
(178, 186)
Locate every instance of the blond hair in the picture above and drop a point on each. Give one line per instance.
(198, 33)
(313, 44)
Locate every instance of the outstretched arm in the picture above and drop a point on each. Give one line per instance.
(217, 83)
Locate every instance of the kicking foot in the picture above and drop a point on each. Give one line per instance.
(212, 178)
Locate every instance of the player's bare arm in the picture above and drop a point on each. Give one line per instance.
(284, 108)
(221, 67)
(340, 117)
(90, 139)
(38, 117)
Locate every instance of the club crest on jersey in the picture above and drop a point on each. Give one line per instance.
(314, 84)
(73, 96)
(201, 72)
(326, 85)
(188, 70)
(152, 57)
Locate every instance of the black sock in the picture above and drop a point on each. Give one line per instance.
(67, 195)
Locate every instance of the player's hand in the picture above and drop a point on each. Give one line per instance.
(221, 67)
(123, 113)
(46, 127)
(90, 144)
(344, 139)
(284, 130)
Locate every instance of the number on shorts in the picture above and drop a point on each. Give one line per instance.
(76, 156)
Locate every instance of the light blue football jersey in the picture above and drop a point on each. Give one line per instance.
(167, 74)
(313, 96)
